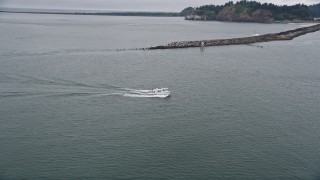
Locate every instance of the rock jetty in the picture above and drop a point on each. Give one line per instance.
(286, 35)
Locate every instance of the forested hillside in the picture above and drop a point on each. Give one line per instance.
(251, 11)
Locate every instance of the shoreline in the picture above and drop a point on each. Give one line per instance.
(151, 14)
(273, 22)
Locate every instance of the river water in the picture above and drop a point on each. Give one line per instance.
(235, 112)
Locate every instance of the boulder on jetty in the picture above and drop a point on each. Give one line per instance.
(286, 35)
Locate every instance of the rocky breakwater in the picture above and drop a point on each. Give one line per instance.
(286, 35)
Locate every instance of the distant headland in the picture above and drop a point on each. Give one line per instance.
(252, 11)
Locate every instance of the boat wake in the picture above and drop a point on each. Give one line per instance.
(67, 88)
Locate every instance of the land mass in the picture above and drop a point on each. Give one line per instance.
(286, 35)
(252, 11)
(242, 11)
(89, 12)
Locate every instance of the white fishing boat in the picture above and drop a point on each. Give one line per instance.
(158, 92)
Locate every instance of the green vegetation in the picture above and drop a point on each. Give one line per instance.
(315, 10)
(186, 11)
(252, 11)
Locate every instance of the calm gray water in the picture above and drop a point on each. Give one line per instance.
(236, 112)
